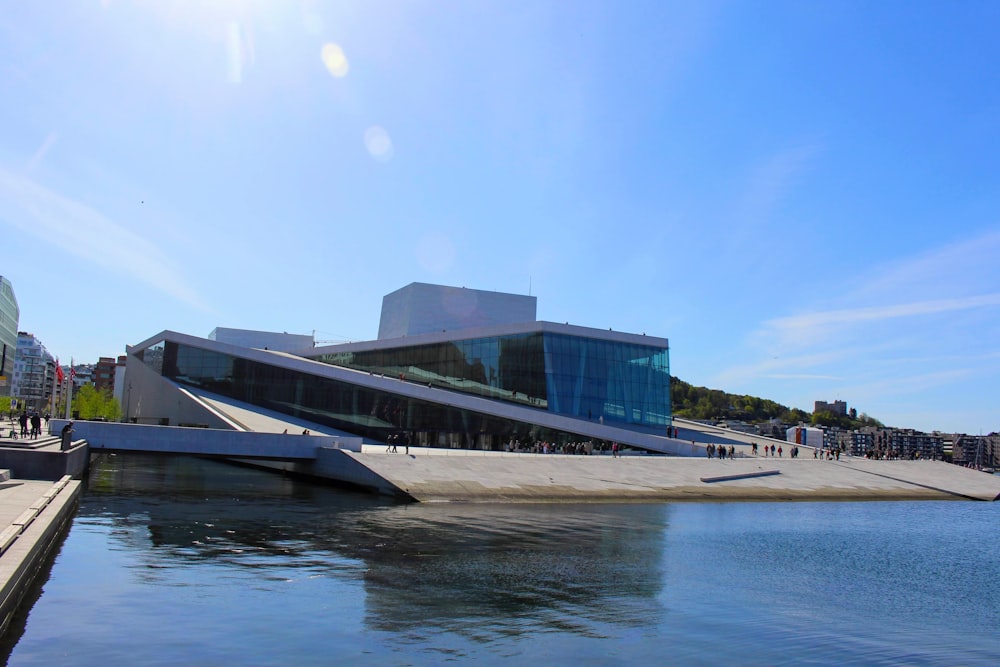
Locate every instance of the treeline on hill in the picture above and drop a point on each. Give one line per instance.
(690, 402)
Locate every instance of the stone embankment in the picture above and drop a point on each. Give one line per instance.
(38, 495)
(33, 515)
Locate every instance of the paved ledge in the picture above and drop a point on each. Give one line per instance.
(43, 458)
(33, 515)
(540, 478)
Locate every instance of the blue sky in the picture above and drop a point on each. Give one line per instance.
(804, 197)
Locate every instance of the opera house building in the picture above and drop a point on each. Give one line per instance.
(451, 367)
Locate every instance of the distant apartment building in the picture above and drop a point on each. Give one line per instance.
(981, 451)
(83, 374)
(837, 407)
(34, 373)
(858, 443)
(855, 443)
(10, 315)
(104, 374)
(907, 444)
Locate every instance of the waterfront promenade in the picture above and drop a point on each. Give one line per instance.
(438, 474)
(37, 500)
(32, 515)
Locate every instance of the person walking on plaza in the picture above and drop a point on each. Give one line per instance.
(36, 426)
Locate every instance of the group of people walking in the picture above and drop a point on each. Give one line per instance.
(31, 425)
(721, 451)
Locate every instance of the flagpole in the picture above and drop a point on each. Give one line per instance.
(55, 380)
(69, 390)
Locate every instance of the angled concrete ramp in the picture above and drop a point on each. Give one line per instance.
(540, 478)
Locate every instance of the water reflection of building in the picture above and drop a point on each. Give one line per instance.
(458, 567)
(515, 569)
(452, 367)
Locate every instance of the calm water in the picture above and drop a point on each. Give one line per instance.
(176, 561)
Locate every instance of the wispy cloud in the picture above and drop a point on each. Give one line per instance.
(911, 331)
(776, 367)
(89, 235)
(765, 187)
(36, 159)
(960, 268)
(906, 384)
(810, 327)
(771, 179)
(960, 276)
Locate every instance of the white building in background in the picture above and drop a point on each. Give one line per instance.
(34, 373)
(805, 435)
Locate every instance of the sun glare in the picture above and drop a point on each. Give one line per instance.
(334, 60)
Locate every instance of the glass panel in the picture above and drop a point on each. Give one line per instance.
(598, 379)
(346, 407)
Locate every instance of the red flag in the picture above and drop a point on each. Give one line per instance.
(59, 373)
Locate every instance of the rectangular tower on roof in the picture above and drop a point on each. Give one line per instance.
(422, 308)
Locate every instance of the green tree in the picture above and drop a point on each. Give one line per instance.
(91, 404)
(690, 402)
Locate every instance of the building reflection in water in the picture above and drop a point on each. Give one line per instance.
(476, 569)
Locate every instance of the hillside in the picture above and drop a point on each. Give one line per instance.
(691, 402)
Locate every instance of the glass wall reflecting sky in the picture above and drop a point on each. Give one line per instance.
(570, 375)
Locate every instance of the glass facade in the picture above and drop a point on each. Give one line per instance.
(581, 377)
(367, 412)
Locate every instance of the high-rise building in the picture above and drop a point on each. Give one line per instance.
(10, 314)
(34, 373)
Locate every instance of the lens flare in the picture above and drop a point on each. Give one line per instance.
(378, 143)
(312, 22)
(234, 53)
(334, 60)
(435, 252)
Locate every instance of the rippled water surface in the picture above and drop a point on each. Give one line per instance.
(179, 561)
